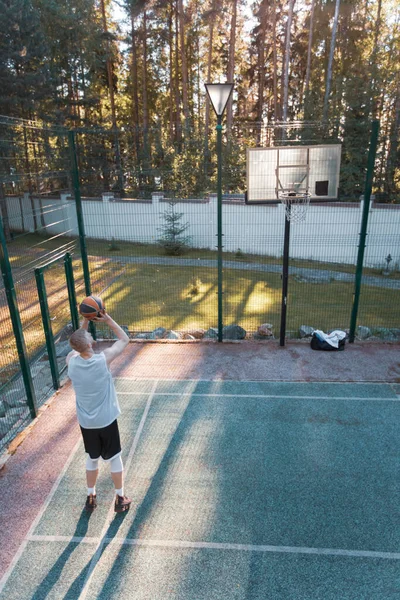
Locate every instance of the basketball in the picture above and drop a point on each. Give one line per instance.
(91, 307)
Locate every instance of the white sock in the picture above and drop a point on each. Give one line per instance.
(120, 492)
(91, 491)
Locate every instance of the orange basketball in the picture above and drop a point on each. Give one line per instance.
(91, 307)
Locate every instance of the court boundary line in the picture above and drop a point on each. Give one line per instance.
(110, 515)
(18, 554)
(264, 396)
(181, 544)
(327, 381)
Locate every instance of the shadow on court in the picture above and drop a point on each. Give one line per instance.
(285, 472)
(45, 588)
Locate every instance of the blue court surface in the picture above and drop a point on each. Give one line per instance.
(241, 490)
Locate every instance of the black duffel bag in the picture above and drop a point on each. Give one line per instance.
(318, 344)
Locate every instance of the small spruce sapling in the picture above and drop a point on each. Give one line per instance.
(172, 239)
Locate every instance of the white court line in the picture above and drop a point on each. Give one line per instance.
(64, 538)
(264, 396)
(110, 514)
(32, 528)
(179, 544)
(266, 381)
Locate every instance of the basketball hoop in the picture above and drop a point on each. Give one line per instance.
(296, 205)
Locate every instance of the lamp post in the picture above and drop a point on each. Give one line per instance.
(219, 94)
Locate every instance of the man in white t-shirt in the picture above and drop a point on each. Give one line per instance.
(97, 407)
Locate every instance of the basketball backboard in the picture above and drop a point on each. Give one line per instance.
(300, 169)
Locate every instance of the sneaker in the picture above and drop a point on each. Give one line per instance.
(91, 502)
(122, 503)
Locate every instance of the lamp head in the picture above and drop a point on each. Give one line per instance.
(219, 94)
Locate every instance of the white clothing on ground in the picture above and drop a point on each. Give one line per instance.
(332, 338)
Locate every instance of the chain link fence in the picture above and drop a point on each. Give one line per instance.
(147, 203)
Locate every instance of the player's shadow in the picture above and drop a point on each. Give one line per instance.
(76, 587)
(151, 498)
(46, 586)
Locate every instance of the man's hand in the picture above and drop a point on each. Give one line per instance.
(104, 318)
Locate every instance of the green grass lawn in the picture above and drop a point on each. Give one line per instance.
(27, 246)
(148, 296)
(144, 297)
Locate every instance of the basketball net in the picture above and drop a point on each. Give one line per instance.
(296, 205)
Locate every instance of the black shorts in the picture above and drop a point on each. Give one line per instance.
(102, 442)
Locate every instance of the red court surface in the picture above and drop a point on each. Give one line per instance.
(30, 472)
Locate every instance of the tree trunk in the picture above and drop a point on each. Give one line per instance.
(231, 64)
(211, 25)
(275, 75)
(331, 55)
(177, 99)
(185, 77)
(110, 80)
(308, 70)
(4, 214)
(171, 73)
(28, 173)
(287, 56)
(135, 89)
(393, 150)
(36, 165)
(261, 63)
(82, 68)
(146, 142)
(374, 70)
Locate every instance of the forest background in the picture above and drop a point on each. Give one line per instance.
(129, 76)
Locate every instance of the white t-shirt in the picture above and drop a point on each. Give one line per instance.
(96, 399)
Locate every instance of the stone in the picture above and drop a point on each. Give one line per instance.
(15, 393)
(14, 402)
(320, 278)
(265, 330)
(157, 334)
(5, 426)
(363, 332)
(387, 334)
(112, 334)
(142, 336)
(197, 333)
(66, 332)
(173, 335)
(40, 367)
(187, 336)
(233, 332)
(306, 331)
(14, 415)
(211, 333)
(62, 349)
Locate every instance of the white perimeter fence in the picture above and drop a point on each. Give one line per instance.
(329, 234)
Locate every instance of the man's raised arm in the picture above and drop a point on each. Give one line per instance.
(122, 341)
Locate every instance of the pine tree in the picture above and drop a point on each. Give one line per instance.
(172, 240)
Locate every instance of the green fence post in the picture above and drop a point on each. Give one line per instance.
(16, 323)
(44, 307)
(81, 224)
(69, 274)
(219, 227)
(364, 223)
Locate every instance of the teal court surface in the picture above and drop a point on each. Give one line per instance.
(241, 490)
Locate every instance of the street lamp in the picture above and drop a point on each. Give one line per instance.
(219, 94)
